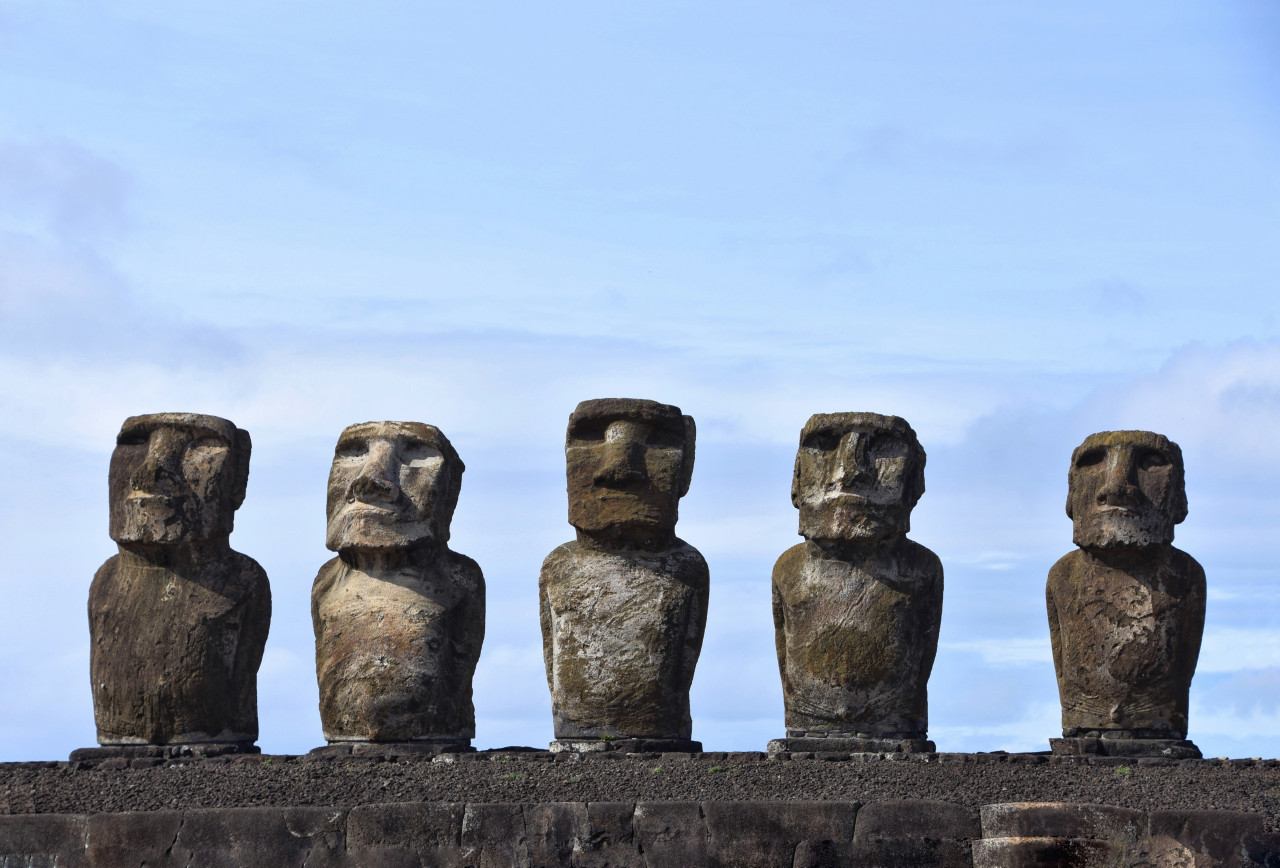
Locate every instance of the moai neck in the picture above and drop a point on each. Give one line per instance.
(183, 558)
(384, 560)
(649, 541)
(858, 550)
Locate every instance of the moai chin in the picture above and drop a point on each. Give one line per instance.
(857, 605)
(177, 620)
(624, 606)
(1126, 609)
(398, 616)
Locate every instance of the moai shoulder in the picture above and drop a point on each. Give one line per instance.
(177, 619)
(857, 606)
(1126, 608)
(398, 616)
(623, 607)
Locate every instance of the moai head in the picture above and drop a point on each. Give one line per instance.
(857, 477)
(1125, 489)
(177, 478)
(392, 485)
(629, 463)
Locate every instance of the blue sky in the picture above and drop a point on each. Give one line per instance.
(1012, 224)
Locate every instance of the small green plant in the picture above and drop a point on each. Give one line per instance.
(656, 769)
(267, 761)
(515, 776)
(607, 737)
(1124, 770)
(574, 780)
(716, 769)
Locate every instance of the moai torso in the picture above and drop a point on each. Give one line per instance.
(177, 620)
(625, 634)
(857, 639)
(395, 651)
(623, 608)
(857, 606)
(1126, 640)
(1126, 609)
(398, 616)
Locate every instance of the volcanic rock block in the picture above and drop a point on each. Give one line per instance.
(398, 616)
(1126, 609)
(856, 607)
(177, 620)
(624, 606)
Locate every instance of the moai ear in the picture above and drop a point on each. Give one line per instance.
(240, 481)
(795, 482)
(686, 466)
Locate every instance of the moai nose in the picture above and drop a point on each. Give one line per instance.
(1119, 487)
(623, 460)
(379, 477)
(851, 460)
(161, 471)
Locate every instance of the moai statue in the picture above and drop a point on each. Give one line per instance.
(623, 608)
(856, 606)
(398, 616)
(1126, 609)
(177, 620)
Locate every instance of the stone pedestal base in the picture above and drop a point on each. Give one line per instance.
(423, 747)
(1173, 748)
(197, 750)
(844, 744)
(626, 745)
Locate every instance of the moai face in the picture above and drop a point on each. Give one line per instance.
(629, 463)
(392, 485)
(1125, 489)
(177, 478)
(857, 477)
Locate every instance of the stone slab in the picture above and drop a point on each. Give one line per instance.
(391, 748)
(1125, 747)
(626, 745)
(851, 745)
(198, 750)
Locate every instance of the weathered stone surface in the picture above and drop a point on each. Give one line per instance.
(1062, 820)
(177, 620)
(626, 745)
(410, 833)
(914, 832)
(767, 834)
(623, 607)
(856, 607)
(1047, 852)
(43, 839)
(671, 833)
(1221, 835)
(398, 616)
(1126, 609)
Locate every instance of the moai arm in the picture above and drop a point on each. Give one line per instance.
(1056, 575)
(255, 609)
(1194, 620)
(469, 621)
(700, 580)
(549, 569)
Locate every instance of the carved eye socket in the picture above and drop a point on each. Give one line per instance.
(207, 444)
(1090, 457)
(133, 437)
(351, 450)
(589, 429)
(662, 437)
(418, 455)
(888, 447)
(1152, 458)
(825, 441)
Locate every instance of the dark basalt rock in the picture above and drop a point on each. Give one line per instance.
(623, 607)
(177, 620)
(398, 616)
(856, 607)
(1126, 609)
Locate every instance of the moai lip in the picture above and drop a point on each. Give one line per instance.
(177, 619)
(623, 607)
(1126, 609)
(857, 606)
(398, 616)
